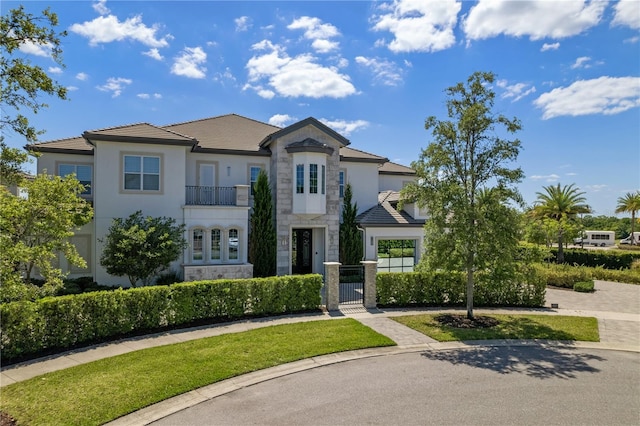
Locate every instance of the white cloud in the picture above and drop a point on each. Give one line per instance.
(604, 95)
(82, 76)
(115, 86)
(581, 62)
(571, 174)
(71, 88)
(422, 26)
(595, 188)
(293, 76)
(344, 127)
(536, 19)
(627, 13)
(243, 23)
(190, 63)
(143, 95)
(632, 40)
(227, 75)
(55, 70)
(516, 91)
(282, 120)
(31, 48)
(385, 72)
(153, 53)
(548, 178)
(320, 33)
(549, 46)
(101, 7)
(106, 29)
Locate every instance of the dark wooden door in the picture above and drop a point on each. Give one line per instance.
(301, 253)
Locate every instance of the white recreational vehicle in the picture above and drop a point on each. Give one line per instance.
(597, 238)
(636, 239)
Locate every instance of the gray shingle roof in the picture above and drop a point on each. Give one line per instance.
(141, 133)
(355, 155)
(385, 213)
(229, 132)
(76, 145)
(391, 168)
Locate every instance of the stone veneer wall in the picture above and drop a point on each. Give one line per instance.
(215, 272)
(282, 178)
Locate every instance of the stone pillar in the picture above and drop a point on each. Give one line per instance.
(332, 285)
(242, 195)
(370, 271)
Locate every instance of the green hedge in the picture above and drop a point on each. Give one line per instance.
(584, 286)
(57, 323)
(449, 289)
(566, 275)
(608, 259)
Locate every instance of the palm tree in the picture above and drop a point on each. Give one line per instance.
(630, 203)
(561, 204)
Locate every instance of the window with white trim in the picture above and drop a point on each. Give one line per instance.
(83, 172)
(313, 178)
(254, 171)
(322, 178)
(299, 178)
(141, 173)
(216, 249)
(233, 244)
(197, 245)
(341, 182)
(215, 245)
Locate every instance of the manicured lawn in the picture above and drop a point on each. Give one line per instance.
(553, 327)
(95, 393)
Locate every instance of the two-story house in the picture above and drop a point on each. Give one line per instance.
(202, 173)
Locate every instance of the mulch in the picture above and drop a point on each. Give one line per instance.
(6, 420)
(461, 321)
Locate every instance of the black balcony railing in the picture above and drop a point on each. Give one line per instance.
(211, 196)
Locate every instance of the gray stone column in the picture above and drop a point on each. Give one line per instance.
(370, 271)
(332, 285)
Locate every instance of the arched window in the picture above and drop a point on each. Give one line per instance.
(216, 251)
(197, 244)
(233, 244)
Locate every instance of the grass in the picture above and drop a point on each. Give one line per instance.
(552, 327)
(101, 391)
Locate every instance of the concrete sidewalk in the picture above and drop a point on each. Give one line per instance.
(615, 305)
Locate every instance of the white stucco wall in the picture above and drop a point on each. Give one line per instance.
(363, 178)
(110, 201)
(388, 182)
(230, 169)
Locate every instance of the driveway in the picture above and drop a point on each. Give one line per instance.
(531, 385)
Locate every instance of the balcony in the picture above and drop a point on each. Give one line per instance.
(237, 195)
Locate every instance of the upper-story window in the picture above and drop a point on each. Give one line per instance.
(341, 182)
(83, 173)
(322, 177)
(313, 178)
(254, 171)
(141, 173)
(300, 179)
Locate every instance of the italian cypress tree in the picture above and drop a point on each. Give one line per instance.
(350, 237)
(262, 242)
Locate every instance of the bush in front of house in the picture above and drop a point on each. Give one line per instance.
(584, 286)
(56, 323)
(438, 288)
(562, 275)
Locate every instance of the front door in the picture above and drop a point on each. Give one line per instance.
(301, 251)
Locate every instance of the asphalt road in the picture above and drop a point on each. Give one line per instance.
(539, 385)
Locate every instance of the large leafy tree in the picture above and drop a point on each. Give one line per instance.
(562, 204)
(23, 83)
(34, 229)
(467, 155)
(630, 203)
(142, 247)
(262, 242)
(350, 238)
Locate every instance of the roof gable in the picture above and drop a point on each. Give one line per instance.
(299, 125)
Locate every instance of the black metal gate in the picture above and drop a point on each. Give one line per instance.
(351, 287)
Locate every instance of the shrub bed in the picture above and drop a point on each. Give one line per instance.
(608, 259)
(584, 286)
(566, 275)
(449, 289)
(56, 323)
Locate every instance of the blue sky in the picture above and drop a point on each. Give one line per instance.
(373, 71)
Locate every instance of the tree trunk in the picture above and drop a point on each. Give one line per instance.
(560, 258)
(470, 286)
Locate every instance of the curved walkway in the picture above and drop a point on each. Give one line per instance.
(616, 306)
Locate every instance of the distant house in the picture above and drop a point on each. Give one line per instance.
(202, 173)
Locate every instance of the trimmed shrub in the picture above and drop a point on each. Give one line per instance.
(448, 289)
(56, 323)
(584, 286)
(629, 276)
(608, 259)
(562, 275)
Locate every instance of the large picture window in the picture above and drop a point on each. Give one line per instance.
(141, 173)
(84, 174)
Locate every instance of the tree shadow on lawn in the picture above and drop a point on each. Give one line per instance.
(536, 359)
